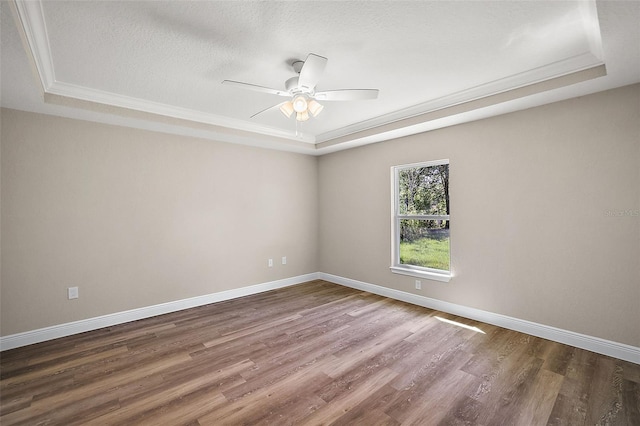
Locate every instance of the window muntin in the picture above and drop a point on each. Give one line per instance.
(421, 222)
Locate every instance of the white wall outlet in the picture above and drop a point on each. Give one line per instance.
(284, 260)
(270, 263)
(72, 293)
(418, 285)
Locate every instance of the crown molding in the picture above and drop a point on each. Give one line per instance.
(592, 59)
(569, 66)
(136, 104)
(31, 19)
(457, 113)
(32, 23)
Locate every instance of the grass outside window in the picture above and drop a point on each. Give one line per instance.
(426, 252)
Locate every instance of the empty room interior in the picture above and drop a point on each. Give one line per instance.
(305, 213)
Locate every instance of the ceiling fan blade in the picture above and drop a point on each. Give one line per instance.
(311, 71)
(256, 88)
(268, 109)
(347, 95)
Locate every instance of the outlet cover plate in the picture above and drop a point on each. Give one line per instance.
(72, 293)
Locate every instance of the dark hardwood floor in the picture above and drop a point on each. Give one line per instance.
(315, 353)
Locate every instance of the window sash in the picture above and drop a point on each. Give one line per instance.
(396, 260)
(396, 266)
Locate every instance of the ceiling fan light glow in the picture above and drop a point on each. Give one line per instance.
(315, 107)
(287, 109)
(302, 116)
(300, 104)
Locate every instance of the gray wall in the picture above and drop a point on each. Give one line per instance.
(531, 232)
(136, 218)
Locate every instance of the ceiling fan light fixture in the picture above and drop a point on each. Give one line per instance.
(315, 107)
(302, 116)
(287, 109)
(301, 91)
(300, 104)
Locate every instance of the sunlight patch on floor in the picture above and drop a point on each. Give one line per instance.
(459, 324)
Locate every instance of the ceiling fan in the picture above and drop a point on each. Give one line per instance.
(302, 90)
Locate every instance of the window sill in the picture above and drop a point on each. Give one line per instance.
(435, 276)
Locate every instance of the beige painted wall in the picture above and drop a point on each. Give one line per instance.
(531, 192)
(136, 218)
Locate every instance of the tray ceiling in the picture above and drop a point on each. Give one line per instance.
(160, 64)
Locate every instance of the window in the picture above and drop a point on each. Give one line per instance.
(420, 228)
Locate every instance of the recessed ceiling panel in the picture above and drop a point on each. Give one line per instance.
(170, 58)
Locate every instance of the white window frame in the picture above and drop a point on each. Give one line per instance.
(396, 217)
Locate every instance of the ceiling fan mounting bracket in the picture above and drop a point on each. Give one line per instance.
(297, 66)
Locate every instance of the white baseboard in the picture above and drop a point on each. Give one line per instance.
(68, 329)
(594, 344)
(590, 343)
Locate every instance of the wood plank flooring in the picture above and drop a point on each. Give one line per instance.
(313, 354)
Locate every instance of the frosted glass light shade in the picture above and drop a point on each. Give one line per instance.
(302, 116)
(287, 109)
(315, 108)
(299, 104)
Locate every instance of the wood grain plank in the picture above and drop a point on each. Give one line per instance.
(252, 405)
(430, 386)
(33, 372)
(571, 405)
(154, 399)
(630, 403)
(110, 383)
(605, 393)
(508, 396)
(315, 353)
(347, 400)
(540, 399)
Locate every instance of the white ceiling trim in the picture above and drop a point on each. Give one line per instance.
(578, 63)
(592, 28)
(32, 21)
(31, 16)
(136, 104)
(592, 58)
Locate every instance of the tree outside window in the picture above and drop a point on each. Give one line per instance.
(421, 217)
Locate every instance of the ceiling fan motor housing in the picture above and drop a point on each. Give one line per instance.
(292, 85)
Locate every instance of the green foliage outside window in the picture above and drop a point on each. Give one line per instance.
(424, 191)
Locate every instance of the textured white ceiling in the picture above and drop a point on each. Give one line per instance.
(169, 58)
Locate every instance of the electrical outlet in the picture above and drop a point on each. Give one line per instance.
(284, 260)
(72, 293)
(418, 285)
(270, 263)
